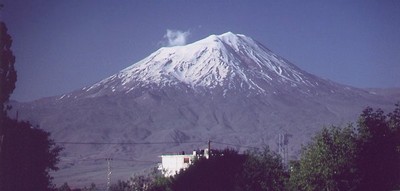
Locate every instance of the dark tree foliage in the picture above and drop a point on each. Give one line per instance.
(26, 157)
(379, 153)
(153, 181)
(92, 187)
(219, 172)
(8, 75)
(263, 171)
(26, 154)
(64, 187)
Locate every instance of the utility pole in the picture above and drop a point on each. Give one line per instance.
(283, 147)
(108, 173)
(209, 148)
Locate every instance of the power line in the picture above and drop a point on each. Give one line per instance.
(133, 160)
(234, 145)
(124, 143)
(139, 143)
(99, 159)
(150, 143)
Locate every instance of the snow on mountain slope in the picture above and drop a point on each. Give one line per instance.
(230, 61)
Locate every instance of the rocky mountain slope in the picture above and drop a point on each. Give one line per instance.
(226, 88)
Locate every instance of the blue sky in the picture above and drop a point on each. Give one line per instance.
(64, 45)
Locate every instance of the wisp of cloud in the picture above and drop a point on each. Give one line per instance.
(176, 37)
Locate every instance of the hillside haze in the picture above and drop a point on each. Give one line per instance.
(225, 88)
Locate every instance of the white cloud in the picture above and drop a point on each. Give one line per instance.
(176, 37)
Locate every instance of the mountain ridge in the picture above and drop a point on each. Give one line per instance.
(154, 100)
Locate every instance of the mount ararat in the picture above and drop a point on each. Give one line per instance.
(225, 88)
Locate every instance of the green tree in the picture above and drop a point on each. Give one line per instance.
(123, 186)
(263, 171)
(367, 158)
(378, 145)
(158, 181)
(328, 162)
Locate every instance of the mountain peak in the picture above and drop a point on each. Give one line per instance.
(228, 61)
(229, 36)
(229, 33)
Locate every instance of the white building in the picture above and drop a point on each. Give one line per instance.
(173, 164)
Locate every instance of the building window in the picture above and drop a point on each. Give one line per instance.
(186, 160)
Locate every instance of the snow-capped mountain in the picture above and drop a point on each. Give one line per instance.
(226, 88)
(228, 62)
